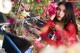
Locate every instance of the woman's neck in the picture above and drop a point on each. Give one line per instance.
(60, 23)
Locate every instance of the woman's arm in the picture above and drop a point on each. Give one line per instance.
(45, 30)
(49, 23)
(69, 33)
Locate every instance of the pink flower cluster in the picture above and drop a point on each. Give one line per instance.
(38, 44)
(49, 10)
(76, 10)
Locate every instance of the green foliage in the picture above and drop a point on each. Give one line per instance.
(15, 6)
(35, 5)
(78, 5)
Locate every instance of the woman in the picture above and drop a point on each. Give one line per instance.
(64, 24)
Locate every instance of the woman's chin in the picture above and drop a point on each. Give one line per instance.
(59, 19)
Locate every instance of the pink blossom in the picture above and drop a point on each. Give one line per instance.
(79, 12)
(38, 44)
(38, 0)
(52, 0)
(46, 7)
(44, 14)
(11, 20)
(39, 7)
(76, 12)
(27, 31)
(51, 9)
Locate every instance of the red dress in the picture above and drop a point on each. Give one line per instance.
(65, 37)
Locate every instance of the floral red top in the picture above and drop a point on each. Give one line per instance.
(65, 37)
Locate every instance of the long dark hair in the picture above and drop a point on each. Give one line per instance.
(69, 14)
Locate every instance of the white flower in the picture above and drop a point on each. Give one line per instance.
(5, 6)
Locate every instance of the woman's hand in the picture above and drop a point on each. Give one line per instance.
(52, 17)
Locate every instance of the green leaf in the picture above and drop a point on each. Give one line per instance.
(40, 11)
(46, 1)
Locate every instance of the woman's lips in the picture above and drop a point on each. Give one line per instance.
(58, 16)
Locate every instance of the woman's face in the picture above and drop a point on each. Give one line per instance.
(60, 12)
